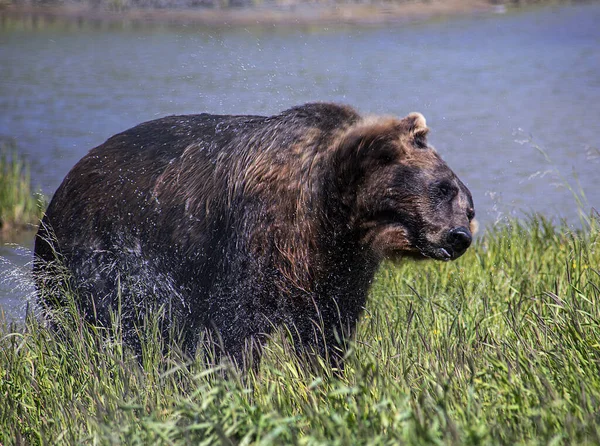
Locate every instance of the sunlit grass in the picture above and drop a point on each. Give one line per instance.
(499, 347)
(20, 207)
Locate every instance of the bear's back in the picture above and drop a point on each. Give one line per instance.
(114, 193)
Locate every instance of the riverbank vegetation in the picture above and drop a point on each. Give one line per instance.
(260, 3)
(499, 347)
(20, 207)
(246, 12)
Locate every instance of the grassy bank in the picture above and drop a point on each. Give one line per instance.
(20, 207)
(502, 346)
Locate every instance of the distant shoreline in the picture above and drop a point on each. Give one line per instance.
(292, 15)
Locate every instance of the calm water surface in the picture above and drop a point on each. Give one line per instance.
(485, 84)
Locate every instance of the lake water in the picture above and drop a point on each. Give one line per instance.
(486, 84)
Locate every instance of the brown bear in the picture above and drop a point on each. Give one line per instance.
(239, 224)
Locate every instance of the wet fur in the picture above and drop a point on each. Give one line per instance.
(244, 223)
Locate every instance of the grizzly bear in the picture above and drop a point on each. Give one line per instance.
(239, 224)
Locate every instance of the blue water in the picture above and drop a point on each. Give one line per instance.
(486, 84)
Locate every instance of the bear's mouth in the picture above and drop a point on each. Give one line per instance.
(442, 254)
(394, 239)
(419, 249)
(437, 252)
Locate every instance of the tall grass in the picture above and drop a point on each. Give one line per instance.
(499, 347)
(20, 207)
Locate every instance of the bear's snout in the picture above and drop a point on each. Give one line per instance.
(459, 240)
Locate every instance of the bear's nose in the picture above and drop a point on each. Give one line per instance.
(460, 239)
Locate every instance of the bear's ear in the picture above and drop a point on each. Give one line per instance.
(363, 147)
(369, 142)
(415, 126)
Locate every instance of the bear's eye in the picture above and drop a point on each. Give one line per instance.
(470, 214)
(446, 190)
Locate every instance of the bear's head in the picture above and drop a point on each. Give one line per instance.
(401, 198)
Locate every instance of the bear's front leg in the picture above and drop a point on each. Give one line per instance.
(236, 334)
(324, 332)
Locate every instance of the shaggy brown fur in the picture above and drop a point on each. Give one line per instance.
(243, 223)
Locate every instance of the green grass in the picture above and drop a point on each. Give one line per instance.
(20, 207)
(499, 347)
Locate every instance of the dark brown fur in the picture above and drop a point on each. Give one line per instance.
(243, 223)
